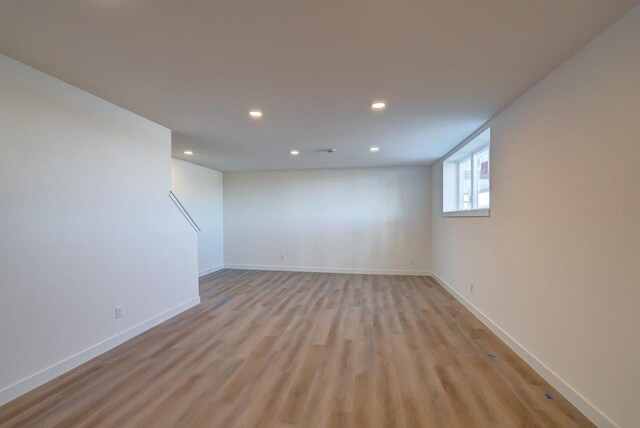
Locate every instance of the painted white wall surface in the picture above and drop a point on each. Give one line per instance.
(340, 220)
(86, 225)
(557, 265)
(199, 189)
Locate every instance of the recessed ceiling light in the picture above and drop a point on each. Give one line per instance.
(256, 114)
(294, 152)
(374, 149)
(378, 105)
(188, 152)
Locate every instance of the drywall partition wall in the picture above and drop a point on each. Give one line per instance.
(557, 265)
(85, 225)
(200, 191)
(373, 220)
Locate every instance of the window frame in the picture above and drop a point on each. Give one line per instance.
(453, 176)
(476, 179)
(460, 187)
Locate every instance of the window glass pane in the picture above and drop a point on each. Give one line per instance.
(465, 184)
(481, 164)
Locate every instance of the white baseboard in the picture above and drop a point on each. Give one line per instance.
(27, 384)
(330, 269)
(585, 406)
(210, 270)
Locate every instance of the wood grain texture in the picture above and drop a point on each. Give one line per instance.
(292, 349)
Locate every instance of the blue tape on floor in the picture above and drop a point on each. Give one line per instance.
(492, 356)
(549, 395)
(223, 300)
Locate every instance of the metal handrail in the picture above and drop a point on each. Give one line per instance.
(184, 211)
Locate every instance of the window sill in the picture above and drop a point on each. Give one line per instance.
(486, 212)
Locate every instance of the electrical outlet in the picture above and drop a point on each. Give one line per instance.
(471, 287)
(413, 260)
(281, 256)
(118, 311)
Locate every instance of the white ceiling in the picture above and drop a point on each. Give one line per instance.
(197, 66)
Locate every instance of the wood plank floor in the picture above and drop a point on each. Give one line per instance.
(285, 349)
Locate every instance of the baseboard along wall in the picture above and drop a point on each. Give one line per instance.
(585, 406)
(35, 380)
(414, 272)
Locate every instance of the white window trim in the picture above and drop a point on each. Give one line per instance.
(482, 212)
(475, 176)
(465, 151)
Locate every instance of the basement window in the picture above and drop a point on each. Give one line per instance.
(466, 179)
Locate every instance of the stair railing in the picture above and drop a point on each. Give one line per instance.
(184, 211)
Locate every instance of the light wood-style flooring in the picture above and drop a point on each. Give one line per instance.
(291, 349)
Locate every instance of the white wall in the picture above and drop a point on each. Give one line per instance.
(357, 220)
(557, 265)
(86, 224)
(199, 189)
